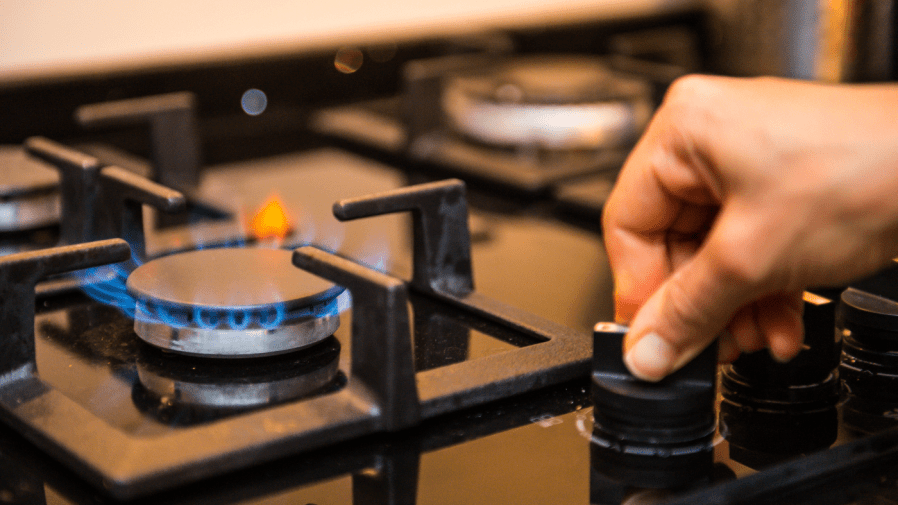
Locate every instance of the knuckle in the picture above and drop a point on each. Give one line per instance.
(740, 270)
(689, 91)
(691, 103)
(738, 258)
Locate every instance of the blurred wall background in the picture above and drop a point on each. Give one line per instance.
(42, 39)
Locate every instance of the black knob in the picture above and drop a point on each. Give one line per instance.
(869, 367)
(813, 365)
(805, 383)
(642, 425)
(782, 409)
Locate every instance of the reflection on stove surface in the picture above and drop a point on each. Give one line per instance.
(182, 391)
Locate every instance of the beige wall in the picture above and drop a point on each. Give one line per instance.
(44, 38)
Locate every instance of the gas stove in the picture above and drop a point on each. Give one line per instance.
(241, 283)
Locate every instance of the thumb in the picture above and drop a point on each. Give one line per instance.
(685, 314)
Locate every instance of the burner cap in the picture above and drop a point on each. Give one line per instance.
(232, 303)
(552, 102)
(29, 196)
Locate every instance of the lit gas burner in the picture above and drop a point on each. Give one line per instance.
(232, 303)
(29, 197)
(547, 102)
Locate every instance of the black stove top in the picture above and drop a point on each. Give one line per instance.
(460, 371)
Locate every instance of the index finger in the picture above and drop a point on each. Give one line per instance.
(660, 182)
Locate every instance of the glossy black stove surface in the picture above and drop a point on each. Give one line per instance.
(532, 448)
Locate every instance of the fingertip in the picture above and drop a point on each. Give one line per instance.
(650, 358)
(783, 328)
(624, 310)
(783, 348)
(627, 296)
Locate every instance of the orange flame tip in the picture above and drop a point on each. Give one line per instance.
(271, 221)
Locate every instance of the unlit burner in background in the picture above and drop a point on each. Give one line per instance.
(232, 303)
(547, 102)
(524, 123)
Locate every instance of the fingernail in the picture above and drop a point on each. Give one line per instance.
(651, 358)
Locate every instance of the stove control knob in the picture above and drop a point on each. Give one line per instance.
(869, 367)
(781, 409)
(665, 426)
(813, 365)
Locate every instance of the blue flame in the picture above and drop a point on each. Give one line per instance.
(275, 321)
(205, 319)
(238, 320)
(108, 285)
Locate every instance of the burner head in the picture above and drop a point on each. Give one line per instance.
(232, 303)
(29, 196)
(548, 102)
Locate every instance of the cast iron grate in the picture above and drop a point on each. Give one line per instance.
(383, 392)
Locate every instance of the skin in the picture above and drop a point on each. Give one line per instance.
(740, 195)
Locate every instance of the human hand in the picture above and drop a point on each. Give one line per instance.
(741, 194)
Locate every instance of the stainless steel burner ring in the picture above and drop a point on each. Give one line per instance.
(231, 343)
(549, 102)
(232, 303)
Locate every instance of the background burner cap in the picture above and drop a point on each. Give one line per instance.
(550, 102)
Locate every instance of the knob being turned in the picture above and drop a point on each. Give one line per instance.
(651, 434)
